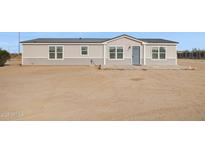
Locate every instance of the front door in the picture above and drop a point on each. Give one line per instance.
(136, 55)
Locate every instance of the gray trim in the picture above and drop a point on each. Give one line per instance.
(126, 61)
(97, 61)
(66, 61)
(168, 61)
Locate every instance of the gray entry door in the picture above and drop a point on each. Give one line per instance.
(136, 55)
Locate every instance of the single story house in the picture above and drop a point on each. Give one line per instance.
(121, 50)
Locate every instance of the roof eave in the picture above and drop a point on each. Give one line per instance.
(126, 36)
(164, 43)
(61, 43)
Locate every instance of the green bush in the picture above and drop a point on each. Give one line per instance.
(4, 56)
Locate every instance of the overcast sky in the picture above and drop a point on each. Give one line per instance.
(188, 40)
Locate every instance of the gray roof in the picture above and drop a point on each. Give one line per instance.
(147, 40)
(66, 40)
(91, 40)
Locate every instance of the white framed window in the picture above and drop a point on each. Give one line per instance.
(158, 53)
(155, 53)
(59, 52)
(119, 52)
(112, 51)
(162, 53)
(55, 52)
(116, 52)
(84, 50)
(52, 54)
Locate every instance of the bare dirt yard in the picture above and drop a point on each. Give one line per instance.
(86, 93)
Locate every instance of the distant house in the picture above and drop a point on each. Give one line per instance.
(121, 50)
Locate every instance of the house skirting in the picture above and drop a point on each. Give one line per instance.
(168, 61)
(65, 61)
(94, 61)
(125, 61)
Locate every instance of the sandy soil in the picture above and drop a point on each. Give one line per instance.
(85, 93)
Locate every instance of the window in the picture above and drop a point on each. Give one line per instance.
(84, 50)
(154, 53)
(112, 52)
(158, 53)
(116, 52)
(59, 52)
(162, 53)
(119, 52)
(55, 52)
(52, 52)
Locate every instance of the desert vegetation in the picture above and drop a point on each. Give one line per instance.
(4, 56)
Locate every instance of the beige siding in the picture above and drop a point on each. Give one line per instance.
(127, 46)
(38, 53)
(74, 51)
(35, 51)
(170, 50)
(39, 50)
(171, 55)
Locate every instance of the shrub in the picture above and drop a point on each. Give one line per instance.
(4, 56)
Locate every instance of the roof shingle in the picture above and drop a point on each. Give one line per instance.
(147, 40)
(92, 40)
(66, 40)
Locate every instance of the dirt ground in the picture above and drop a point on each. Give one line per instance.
(86, 93)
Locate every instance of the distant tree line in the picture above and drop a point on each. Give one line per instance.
(191, 54)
